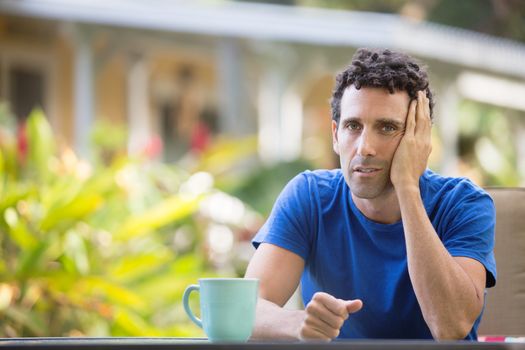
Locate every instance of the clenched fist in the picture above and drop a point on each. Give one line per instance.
(325, 315)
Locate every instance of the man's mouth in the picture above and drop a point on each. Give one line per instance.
(365, 170)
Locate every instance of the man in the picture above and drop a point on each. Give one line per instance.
(383, 247)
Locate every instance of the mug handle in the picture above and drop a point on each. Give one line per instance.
(185, 301)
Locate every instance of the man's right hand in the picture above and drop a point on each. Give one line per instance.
(325, 316)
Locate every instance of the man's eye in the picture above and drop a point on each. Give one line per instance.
(389, 128)
(353, 126)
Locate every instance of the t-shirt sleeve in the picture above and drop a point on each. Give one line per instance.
(470, 230)
(290, 225)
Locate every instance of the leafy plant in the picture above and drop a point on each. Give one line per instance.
(98, 251)
(107, 248)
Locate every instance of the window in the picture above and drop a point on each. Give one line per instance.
(26, 91)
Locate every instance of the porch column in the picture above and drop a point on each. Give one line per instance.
(232, 99)
(138, 104)
(280, 110)
(84, 96)
(448, 122)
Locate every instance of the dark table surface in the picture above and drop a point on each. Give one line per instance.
(197, 344)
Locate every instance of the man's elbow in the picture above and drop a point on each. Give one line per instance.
(456, 326)
(455, 330)
(450, 333)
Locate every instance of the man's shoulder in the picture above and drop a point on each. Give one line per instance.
(323, 174)
(436, 185)
(437, 180)
(324, 179)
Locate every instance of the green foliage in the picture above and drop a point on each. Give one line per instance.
(491, 158)
(499, 18)
(272, 179)
(41, 146)
(108, 139)
(94, 250)
(107, 248)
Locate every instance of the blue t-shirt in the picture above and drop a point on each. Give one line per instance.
(351, 257)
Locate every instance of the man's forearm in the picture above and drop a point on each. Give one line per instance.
(446, 294)
(275, 322)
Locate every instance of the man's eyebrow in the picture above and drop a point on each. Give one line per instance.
(395, 122)
(350, 119)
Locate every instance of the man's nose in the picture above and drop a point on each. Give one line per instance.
(365, 146)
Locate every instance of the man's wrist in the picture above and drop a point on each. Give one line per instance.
(407, 187)
(298, 320)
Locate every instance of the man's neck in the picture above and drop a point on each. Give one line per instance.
(384, 209)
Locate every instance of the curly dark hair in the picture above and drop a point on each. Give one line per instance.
(381, 68)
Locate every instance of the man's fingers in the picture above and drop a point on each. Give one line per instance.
(421, 103)
(353, 305)
(308, 333)
(410, 124)
(320, 312)
(427, 105)
(423, 111)
(423, 121)
(325, 315)
(316, 325)
(317, 309)
(336, 306)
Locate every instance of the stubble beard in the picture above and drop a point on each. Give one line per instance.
(370, 188)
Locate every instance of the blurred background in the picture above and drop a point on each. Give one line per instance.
(142, 143)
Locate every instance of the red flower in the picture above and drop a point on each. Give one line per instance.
(22, 142)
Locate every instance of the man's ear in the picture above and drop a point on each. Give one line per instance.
(335, 141)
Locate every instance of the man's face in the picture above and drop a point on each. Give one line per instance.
(370, 128)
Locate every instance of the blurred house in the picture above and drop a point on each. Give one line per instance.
(188, 70)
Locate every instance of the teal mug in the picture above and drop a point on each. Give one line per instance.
(227, 307)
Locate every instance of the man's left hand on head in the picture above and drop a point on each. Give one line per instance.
(411, 157)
